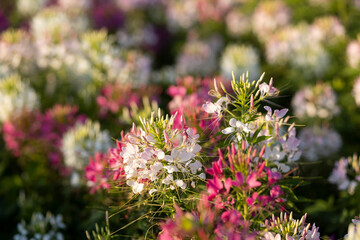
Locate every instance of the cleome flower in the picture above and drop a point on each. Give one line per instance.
(207, 221)
(239, 59)
(319, 101)
(353, 230)
(319, 142)
(41, 227)
(82, 142)
(16, 96)
(159, 157)
(285, 227)
(251, 186)
(346, 174)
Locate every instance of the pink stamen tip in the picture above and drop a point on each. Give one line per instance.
(262, 151)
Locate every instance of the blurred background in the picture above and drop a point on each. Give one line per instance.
(74, 74)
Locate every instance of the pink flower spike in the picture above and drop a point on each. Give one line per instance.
(216, 169)
(213, 187)
(260, 169)
(262, 151)
(221, 156)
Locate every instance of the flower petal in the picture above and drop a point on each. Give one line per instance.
(228, 130)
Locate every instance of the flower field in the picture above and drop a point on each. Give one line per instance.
(179, 119)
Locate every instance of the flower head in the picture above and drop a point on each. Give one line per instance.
(159, 157)
(16, 97)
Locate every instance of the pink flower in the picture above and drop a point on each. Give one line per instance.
(97, 172)
(276, 191)
(216, 170)
(272, 176)
(251, 181)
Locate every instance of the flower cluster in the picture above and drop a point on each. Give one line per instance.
(311, 57)
(286, 227)
(228, 156)
(181, 14)
(83, 141)
(237, 23)
(115, 97)
(158, 157)
(126, 67)
(196, 58)
(319, 142)
(248, 125)
(251, 186)
(190, 91)
(235, 200)
(207, 222)
(346, 174)
(16, 53)
(33, 133)
(270, 16)
(282, 146)
(239, 59)
(48, 227)
(353, 53)
(328, 28)
(319, 101)
(16, 97)
(98, 172)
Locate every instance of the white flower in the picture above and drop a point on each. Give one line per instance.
(236, 125)
(178, 156)
(313, 234)
(152, 191)
(269, 16)
(180, 183)
(215, 108)
(318, 101)
(277, 114)
(41, 227)
(83, 141)
(171, 168)
(240, 59)
(318, 142)
(143, 161)
(270, 236)
(136, 187)
(274, 154)
(195, 167)
(353, 53)
(196, 58)
(16, 97)
(169, 178)
(264, 89)
(353, 232)
(160, 155)
(202, 175)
